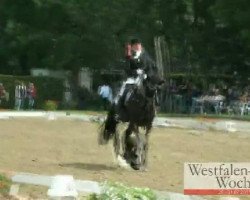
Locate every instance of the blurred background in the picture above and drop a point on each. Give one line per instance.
(67, 49)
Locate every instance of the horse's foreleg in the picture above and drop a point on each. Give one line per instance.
(148, 129)
(142, 144)
(121, 156)
(136, 131)
(116, 143)
(128, 132)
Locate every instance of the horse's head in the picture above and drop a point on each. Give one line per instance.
(135, 153)
(138, 156)
(153, 82)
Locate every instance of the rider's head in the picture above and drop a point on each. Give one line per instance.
(136, 46)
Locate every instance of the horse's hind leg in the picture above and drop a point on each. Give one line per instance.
(142, 143)
(108, 128)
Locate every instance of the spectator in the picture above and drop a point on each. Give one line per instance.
(67, 98)
(31, 94)
(2, 92)
(23, 94)
(224, 90)
(20, 94)
(229, 95)
(105, 92)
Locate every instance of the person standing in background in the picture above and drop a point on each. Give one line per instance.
(67, 95)
(20, 94)
(31, 93)
(2, 92)
(105, 92)
(23, 95)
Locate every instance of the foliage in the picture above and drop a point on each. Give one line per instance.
(88, 100)
(92, 197)
(201, 35)
(50, 105)
(119, 191)
(5, 184)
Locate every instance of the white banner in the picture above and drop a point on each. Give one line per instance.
(217, 178)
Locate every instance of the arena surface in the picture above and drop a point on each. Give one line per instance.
(70, 147)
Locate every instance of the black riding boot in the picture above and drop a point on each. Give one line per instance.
(117, 107)
(120, 108)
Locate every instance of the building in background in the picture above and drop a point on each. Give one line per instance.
(85, 78)
(62, 74)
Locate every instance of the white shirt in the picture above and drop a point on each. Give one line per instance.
(106, 92)
(20, 91)
(137, 54)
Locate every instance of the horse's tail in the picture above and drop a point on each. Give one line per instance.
(108, 128)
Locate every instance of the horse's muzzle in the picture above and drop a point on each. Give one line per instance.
(135, 166)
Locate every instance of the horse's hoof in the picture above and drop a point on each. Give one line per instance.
(144, 169)
(122, 162)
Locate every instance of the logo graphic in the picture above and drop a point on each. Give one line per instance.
(217, 178)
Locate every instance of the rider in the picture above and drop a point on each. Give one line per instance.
(138, 64)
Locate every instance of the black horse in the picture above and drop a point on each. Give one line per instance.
(139, 111)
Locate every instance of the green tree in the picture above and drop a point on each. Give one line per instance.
(201, 35)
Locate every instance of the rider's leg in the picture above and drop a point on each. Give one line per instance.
(119, 102)
(120, 94)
